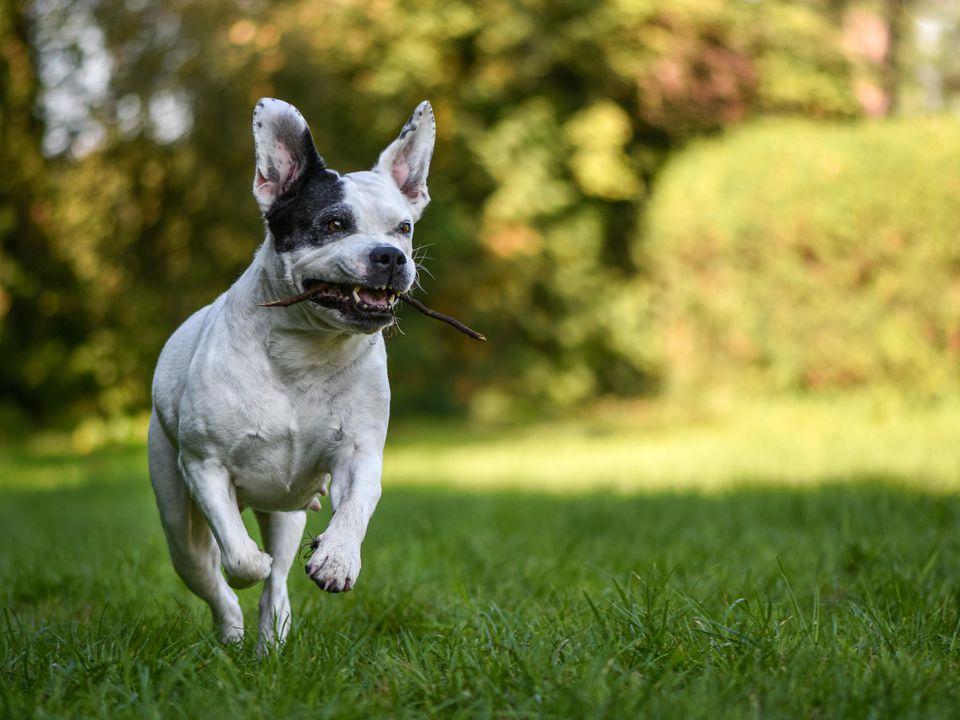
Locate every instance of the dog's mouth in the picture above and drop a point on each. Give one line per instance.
(358, 301)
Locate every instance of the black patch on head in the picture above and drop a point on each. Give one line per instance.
(302, 214)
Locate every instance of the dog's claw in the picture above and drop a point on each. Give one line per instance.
(328, 584)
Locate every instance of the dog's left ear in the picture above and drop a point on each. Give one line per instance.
(407, 159)
(285, 150)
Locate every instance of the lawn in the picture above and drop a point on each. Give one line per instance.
(791, 559)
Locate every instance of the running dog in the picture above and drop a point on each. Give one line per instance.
(266, 408)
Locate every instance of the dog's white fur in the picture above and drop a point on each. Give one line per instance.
(259, 407)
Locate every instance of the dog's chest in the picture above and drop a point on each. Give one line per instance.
(279, 460)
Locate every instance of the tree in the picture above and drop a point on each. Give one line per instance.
(554, 121)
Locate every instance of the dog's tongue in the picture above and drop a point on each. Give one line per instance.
(373, 297)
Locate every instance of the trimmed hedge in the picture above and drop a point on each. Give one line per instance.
(808, 256)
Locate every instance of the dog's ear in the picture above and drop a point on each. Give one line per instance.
(407, 159)
(284, 147)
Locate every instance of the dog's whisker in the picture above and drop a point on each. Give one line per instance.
(394, 328)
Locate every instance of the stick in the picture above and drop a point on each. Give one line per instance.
(443, 318)
(287, 302)
(316, 289)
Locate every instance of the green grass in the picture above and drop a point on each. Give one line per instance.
(779, 580)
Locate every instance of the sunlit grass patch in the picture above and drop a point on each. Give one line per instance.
(772, 442)
(779, 442)
(57, 466)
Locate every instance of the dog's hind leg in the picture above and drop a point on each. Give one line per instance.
(282, 534)
(193, 549)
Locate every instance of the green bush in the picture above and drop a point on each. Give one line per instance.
(794, 256)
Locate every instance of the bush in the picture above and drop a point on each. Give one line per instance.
(791, 256)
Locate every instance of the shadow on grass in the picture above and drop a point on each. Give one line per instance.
(80, 540)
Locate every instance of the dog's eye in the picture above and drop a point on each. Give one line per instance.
(332, 226)
(404, 228)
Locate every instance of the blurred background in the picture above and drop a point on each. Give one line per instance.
(633, 199)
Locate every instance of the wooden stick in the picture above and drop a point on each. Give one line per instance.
(287, 302)
(443, 318)
(316, 289)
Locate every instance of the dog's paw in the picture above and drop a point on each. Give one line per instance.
(230, 631)
(228, 618)
(247, 566)
(334, 566)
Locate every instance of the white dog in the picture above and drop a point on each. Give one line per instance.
(263, 407)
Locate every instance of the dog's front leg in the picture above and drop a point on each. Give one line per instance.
(211, 488)
(354, 495)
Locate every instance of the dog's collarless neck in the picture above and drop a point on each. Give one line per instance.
(317, 357)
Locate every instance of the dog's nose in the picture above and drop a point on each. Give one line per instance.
(387, 257)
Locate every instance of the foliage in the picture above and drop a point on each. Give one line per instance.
(816, 257)
(837, 599)
(554, 119)
(33, 342)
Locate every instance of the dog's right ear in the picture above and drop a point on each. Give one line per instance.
(284, 147)
(407, 159)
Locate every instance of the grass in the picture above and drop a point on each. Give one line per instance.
(804, 564)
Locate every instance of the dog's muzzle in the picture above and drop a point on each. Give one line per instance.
(366, 307)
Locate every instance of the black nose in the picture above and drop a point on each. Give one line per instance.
(387, 257)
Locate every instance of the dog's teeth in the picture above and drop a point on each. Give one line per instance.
(392, 298)
(356, 294)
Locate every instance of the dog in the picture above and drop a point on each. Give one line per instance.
(268, 408)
